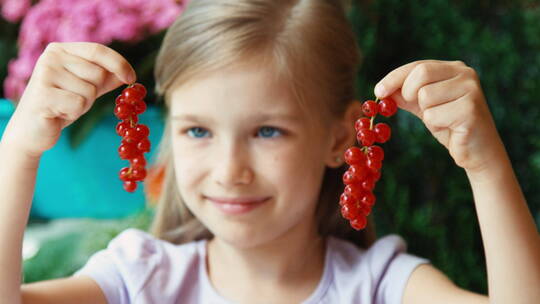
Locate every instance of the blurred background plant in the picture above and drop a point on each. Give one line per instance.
(132, 27)
(422, 195)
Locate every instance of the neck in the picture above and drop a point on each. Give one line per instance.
(294, 260)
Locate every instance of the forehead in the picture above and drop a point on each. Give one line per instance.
(242, 90)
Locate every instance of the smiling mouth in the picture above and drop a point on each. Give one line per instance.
(238, 206)
(237, 201)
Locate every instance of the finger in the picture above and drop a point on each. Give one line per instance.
(443, 91)
(450, 115)
(396, 78)
(86, 70)
(93, 73)
(424, 74)
(65, 80)
(65, 105)
(111, 82)
(104, 56)
(407, 106)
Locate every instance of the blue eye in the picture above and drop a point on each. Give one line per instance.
(265, 132)
(197, 130)
(269, 129)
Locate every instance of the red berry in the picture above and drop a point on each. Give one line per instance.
(135, 92)
(359, 222)
(367, 199)
(342, 199)
(365, 210)
(120, 99)
(352, 190)
(143, 130)
(368, 184)
(144, 145)
(125, 174)
(382, 132)
(366, 137)
(362, 123)
(123, 110)
(131, 135)
(376, 175)
(139, 87)
(347, 199)
(121, 128)
(375, 153)
(373, 165)
(370, 108)
(138, 173)
(359, 172)
(349, 211)
(349, 178)
(138, 161)
(139, 106)
(127, 150)
(354, 155)
(387, 107)
(130, 186)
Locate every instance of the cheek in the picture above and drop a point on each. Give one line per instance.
(186, 168)
(299, 173)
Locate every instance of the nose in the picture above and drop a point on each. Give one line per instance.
(232, 167)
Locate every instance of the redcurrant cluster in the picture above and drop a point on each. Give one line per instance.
(135, 141)
(365, 163)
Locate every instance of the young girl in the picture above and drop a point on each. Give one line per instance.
(260, 111)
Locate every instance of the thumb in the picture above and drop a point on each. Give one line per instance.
(110, 83)
(411, 107)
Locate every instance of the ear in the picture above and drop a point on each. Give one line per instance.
(343, 134)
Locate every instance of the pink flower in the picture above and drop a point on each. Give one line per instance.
(14, 87)
(14, 10)
(102, 21)
(160, 15)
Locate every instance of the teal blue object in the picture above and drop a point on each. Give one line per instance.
(83, 182)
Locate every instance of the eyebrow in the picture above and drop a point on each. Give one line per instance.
(257, 118)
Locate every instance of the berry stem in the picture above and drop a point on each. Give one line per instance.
(373, 117)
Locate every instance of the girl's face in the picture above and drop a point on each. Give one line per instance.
(235, 134)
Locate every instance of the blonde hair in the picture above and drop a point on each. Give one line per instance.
(308, 44)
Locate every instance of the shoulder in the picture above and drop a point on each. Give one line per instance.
(427, 283)
(379, 255)
(135, 246)
(378, 273)
(135, 259)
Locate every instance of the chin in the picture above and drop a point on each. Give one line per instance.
(243, 237)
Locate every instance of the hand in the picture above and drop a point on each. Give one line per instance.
(67, 79)
(448, 98)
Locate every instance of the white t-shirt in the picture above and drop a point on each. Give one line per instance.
(138, 268)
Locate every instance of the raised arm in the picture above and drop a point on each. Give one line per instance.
(448, 98)
(18, 176)
(509, 234)
(66, 80)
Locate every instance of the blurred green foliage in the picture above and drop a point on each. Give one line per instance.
(8, 48)
(61, 254)
(423, 195)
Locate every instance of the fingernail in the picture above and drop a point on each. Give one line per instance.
(380, 90)
(131, 78)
